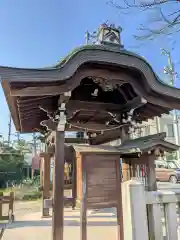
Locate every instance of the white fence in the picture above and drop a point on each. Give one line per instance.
(149, 215)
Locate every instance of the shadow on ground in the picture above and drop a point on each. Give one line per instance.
(71, 223)
(96, 218)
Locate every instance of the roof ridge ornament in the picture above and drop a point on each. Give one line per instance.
(107, 34)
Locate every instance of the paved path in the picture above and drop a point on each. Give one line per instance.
(101, 224)
(29, 225)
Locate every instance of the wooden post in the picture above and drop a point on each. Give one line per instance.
(1, 205)
(119, 202)
(124, 135)
(41, 171)
(46, 183)
(133, 170)
(152, 186)
(151, 173)
(11, 203)
(83, 209)
(126, 170)
(74, 183)
(58, 183)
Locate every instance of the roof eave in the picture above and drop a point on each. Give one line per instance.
(11, 104)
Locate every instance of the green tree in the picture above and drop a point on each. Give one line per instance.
(22, 146)
(11, 162)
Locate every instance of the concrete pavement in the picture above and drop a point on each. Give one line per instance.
(28, 224)
(101, 224)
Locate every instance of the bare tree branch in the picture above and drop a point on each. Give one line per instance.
(166, 21)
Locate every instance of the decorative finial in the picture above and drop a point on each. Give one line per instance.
(109, 34)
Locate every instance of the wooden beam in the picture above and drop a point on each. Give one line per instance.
(73, 126)
(93, 106)
(76, 140)
(57, 90)
(58, 188)
(134, 103)
(46, 183)
(98, 106)
(105, 137)
(31, 112)
(32, 99)
(37, 91)
(46, 103)
(30, 115)
(28, 108)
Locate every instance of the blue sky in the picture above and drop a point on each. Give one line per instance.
(38, 33)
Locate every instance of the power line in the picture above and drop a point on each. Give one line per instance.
(170, 71)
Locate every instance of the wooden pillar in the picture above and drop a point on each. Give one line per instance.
(83, 208)
(119, 202)
(46, 182)
(124, 135)
(126, 170)
(74, 183)
(58, 182)
(1, 205)
(133, 169)
(152, 186)
(151, 172)
(41, 171)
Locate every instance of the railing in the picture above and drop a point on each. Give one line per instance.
(138, 172)
(9, 218)
(149, 215)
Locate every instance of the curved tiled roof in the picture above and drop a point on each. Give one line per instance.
(62, 75)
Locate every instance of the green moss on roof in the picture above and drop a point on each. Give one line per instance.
(75, 51)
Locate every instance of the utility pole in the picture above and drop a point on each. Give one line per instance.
(35, 152)
(158, 125)
(87, 37)
(18, 137)
(170, 71)
(34, 144)
(9, 130)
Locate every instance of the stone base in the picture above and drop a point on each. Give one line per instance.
(48, 216)
(78, 204)
(45, 213)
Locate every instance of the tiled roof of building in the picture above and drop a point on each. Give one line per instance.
(147, 143)
(142, 144)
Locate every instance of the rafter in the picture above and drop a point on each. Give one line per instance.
(37, 91)
(99, 106)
